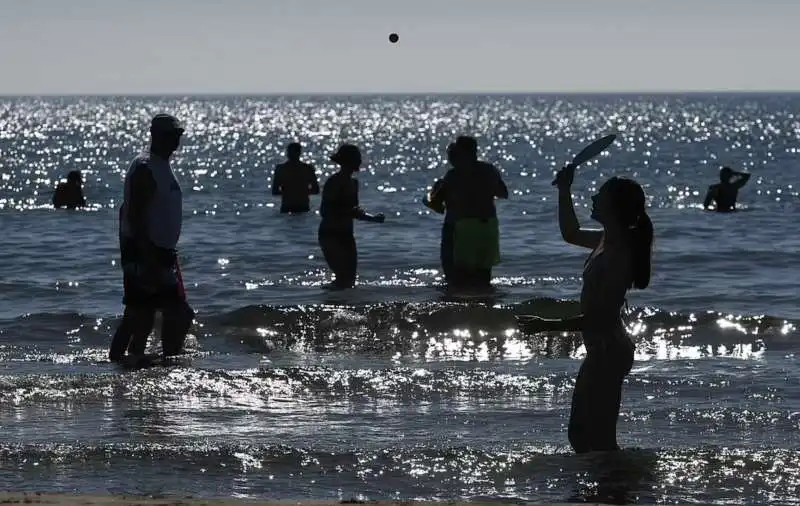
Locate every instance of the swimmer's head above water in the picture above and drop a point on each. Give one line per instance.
(725, 174)
(619, 206)
(74, 177)
(348, 157)
(465, 148)
(293, 151)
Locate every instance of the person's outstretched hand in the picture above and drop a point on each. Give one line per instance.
(533, 324)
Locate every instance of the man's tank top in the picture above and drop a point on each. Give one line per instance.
(165, 211)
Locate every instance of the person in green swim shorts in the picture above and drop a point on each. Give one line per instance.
(471, 234)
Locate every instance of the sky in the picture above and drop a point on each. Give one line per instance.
(447, 46)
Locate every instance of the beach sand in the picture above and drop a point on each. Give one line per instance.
(129, 500)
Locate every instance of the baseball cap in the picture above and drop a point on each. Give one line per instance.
(166, 124)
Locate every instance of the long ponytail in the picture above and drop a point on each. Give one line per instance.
(642, 251)
(629, 200)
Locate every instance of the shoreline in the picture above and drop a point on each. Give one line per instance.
(79, 499)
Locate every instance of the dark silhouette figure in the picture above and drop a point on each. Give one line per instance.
(339, 207)
(725, 193)
(446, 244)
(470, 233)
(295, 181)
(150, 221)
(620, 259)
(69, 193)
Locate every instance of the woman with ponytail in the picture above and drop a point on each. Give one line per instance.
(620, 260)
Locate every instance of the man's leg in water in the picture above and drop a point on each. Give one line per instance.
(141, 329)
(479, 279)
(342, 257)
(177, 315)
(473, 278)
(175, 324)
(327, 244)
(295, 208)
(350, 260)
(137, 321)
(122, 337)
(132, 333)
(446, 253)
(485, 277)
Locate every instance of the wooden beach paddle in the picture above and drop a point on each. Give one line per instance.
(591, 151)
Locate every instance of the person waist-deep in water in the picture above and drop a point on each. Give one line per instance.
(69, 193)
(338, 208)
(446, 245)
(295, 181)
(150, 220)
(620, 259)
(470, 244)
(725, 193)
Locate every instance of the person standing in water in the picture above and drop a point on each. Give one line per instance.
(446, 242)
(150, 221)
(470, 233)
(69, 194)
(725, 193)
(295, 181)
(339, 207)
(620, 259)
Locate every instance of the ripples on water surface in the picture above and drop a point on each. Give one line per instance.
(390, 390)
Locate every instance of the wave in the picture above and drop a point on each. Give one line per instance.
(255, 388)
(409, 327)
(705, 474)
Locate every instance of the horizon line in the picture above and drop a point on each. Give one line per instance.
(405, 94)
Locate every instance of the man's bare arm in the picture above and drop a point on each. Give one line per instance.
(276, 183)
(710, 196)
(743, 178)
(501, 190)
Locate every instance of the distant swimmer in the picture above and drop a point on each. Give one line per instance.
(725, 193)
(471, 232)
(295, 181)
(150, 222)
(339, 207)
(620, 260)
(69, 193)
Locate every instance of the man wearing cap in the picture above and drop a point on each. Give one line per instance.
(150, 221)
